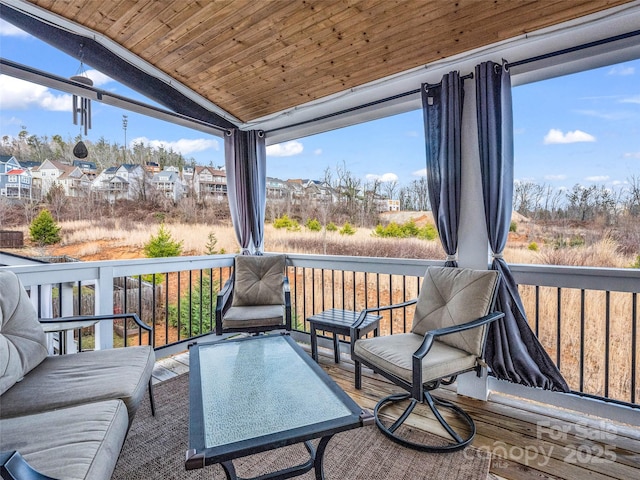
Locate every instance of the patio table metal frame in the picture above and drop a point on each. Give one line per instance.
(242, 396)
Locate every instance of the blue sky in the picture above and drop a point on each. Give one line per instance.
(583, 128)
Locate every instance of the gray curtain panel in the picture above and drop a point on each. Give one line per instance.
(513, 351)
(245, 161)
(442, 112)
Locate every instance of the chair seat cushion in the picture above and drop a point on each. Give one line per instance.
(75, 443)
(66, 380)
(254, 316)
(394, 354)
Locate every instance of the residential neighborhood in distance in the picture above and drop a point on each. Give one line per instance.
(34, 181)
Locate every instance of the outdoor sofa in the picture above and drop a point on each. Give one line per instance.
(64, 416)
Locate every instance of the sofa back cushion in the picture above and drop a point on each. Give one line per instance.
(22, 341)
(259, 280)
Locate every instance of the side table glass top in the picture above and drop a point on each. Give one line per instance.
(259, 387)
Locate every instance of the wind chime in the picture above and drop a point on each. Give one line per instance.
(81, 107)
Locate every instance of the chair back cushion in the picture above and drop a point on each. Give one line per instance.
(22, 340)
(259, 280)
(453, 296)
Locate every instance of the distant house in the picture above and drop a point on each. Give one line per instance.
(388, 205)
(295, 190)
(152, 167)
(30, 164)
(88, 168)
(169, 184)
(74, 182)
(276, 188)
(205, 182)
(125, 182)
(15, 181)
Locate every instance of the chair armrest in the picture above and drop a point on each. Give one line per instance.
(14, 467)
(430, 337)
(363, 313)
(80, 321)
(222, 302)
(354, 331)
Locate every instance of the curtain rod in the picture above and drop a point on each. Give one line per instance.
(577, 48)
(365, 105)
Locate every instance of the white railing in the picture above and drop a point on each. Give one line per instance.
(586, 318)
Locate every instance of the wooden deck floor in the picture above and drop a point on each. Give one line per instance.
(527, 440)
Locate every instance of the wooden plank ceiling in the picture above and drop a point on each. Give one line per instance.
(256, 57)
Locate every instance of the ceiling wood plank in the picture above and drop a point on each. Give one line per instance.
(255, 58)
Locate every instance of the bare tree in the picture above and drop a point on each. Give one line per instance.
(632, 199)
(390, 188)
(57, 199)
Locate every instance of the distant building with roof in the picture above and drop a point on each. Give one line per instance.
(15, 180)
(88, 168)
(74, 182)
(168, 183)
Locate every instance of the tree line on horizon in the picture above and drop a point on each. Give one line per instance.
(357, 198)
(103, 153)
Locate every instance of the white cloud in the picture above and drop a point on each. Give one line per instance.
(556, 136)
(288, 149)
(20, 95)
(631, 155)
(597, 178)
(420, 173)
(9, 30)
(185, 146)
(634, 99)
(605, 115)
(98, 78)
(412, 133)
(385, 177)
(621, 70)
(555, 177)
(317, 151)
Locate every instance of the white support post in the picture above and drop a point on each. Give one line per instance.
(104, 306)
(66, 294)
(473, 242)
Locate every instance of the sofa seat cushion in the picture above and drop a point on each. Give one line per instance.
(22, 341)
(257, 316)
(65, 380)
(75, 443)
(394, 354)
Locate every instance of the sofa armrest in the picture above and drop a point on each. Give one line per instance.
(14, 467)
(80, 321)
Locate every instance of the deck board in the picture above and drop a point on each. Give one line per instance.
(530, 433)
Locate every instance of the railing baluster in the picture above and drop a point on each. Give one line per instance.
(166, 308)
(313, 291)
(537, 310)
(634, 344)
(178, 300)
(558, 327)
(153, 312)
(582, 337)
(607, 341)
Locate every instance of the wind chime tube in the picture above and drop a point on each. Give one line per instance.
(84, 106)
(75, 110)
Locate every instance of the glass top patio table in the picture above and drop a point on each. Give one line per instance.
(258, 393)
